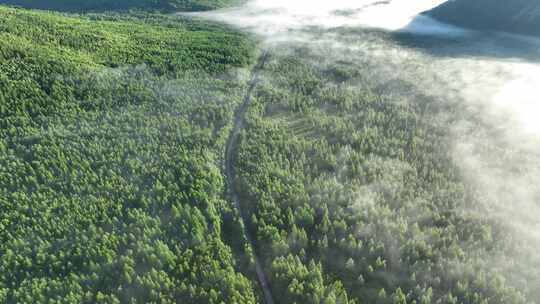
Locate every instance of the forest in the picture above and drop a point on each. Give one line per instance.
(117, 126)
(111, 140)
(518, 16)
(107, 5)
(352, 194)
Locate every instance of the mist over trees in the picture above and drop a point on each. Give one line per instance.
(518, 16)
(114, 143)
(352, 192)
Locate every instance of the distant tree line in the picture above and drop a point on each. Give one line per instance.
(106, 5)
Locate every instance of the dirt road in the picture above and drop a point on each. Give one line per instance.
(231, 173)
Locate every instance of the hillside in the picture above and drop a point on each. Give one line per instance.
(517, 16)
(111, 137)
(100, 5)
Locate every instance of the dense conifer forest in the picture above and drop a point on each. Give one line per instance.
(104, 5)
(352, 194)
(156, 158)
(111, 141)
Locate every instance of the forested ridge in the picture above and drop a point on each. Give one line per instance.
(122, 135)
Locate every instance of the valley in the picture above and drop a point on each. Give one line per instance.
(268, 152)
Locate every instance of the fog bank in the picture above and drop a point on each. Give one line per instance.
(267, 17)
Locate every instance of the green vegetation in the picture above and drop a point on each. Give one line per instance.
(113, 130)
(101, 5)
(111, 143)
(352, 193)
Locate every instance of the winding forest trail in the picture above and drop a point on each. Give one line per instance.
(231, 174)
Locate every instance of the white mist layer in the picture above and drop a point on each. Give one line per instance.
(520, 97)
(270, 17)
